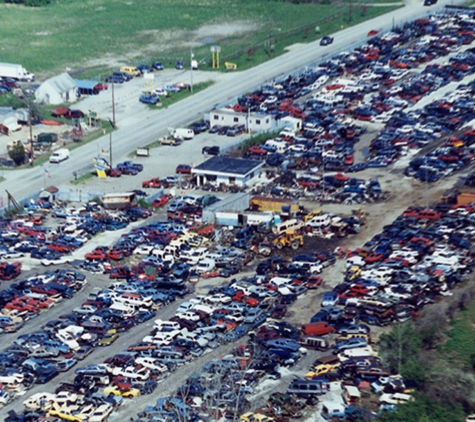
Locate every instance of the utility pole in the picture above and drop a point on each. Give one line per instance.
(349, 11)
(113, 105)
(31, 138)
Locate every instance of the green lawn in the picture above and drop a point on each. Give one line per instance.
(94, 36)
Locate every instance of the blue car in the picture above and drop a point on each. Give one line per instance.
(157, 66)
(149, 99)
(329, 299)
(357, 167)
(115, 79)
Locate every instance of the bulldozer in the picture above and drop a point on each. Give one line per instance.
(288, 239)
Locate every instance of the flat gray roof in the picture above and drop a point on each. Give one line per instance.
(228, 165)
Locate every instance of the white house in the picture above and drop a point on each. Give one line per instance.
(57, 90)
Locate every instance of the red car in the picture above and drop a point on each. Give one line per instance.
(155, 183)
(334, 87)
(113, 172)
(258, 150)
(372, 33)
(349, 160)
(313, 282)
(342, 177)
(100, 87)
(96, 254)
(160, 202)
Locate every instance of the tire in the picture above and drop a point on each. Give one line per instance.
(279, 245)
(295, 245)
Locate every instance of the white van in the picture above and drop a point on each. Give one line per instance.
(59, 155)
(183, 134)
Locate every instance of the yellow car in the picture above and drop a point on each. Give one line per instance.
(66, 415)
(319, 370)
(116, 391)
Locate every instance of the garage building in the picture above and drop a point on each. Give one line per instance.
(230, 171)
(86, 87)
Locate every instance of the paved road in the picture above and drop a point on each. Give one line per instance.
(135, 132)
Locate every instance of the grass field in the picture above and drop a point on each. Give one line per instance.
(97, 35)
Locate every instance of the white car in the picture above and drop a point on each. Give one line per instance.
(190, 316)
(40, 401)
(219, 298)
(56, 261)
(151, 363)
(161, 91)
(144, 249)
(133, 373)
(13, 255)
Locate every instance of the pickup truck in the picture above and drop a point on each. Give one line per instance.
(169, 141)
(127, 167)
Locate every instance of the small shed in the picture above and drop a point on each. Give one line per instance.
(58, 89)
(49, 193)
(227, 170)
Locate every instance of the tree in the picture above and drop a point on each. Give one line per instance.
(17, 153)
(399, 345)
